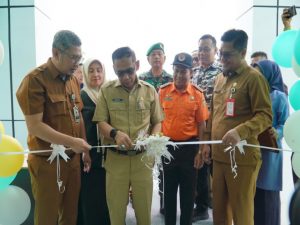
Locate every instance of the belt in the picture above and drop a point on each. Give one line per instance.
(127, 152)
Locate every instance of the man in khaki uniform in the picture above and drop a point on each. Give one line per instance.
(241, 110)
(125, 107)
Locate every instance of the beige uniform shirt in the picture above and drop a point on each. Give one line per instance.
(252, 112)
(129, 112)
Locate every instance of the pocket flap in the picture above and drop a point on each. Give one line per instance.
(57, 98)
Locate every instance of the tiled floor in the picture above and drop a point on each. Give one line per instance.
(157, 218)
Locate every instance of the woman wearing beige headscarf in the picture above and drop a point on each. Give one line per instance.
(92, 208)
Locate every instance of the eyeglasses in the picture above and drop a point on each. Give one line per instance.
(128, 71)
(227, 55)
(74, 58)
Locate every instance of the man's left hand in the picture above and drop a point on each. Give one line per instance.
(198, 162)
(87, 162)
(232, 137)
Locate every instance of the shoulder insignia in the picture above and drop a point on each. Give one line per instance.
(165, 85)
(197, 88)
(145, 83)
(108, 83)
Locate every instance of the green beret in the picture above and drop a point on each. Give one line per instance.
(159, 46)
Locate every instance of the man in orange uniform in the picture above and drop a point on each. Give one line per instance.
(185, 112)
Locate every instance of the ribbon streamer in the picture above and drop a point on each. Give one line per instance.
(58, 150)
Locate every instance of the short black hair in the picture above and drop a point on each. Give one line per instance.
(208, 36)
(259, 53)
(238, 37)
(65, 39)
(123, 52)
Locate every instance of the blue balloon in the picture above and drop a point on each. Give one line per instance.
(294, 96)
(297, 48)
(283, 48)
(5, 181)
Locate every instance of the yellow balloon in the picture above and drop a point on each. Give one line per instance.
(2, 129)
(10, 164)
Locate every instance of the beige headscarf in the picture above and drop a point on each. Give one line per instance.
(92, 92)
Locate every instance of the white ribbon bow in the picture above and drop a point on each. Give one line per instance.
(58, 150)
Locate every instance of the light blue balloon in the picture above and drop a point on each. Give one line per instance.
(5, 181)
(297, 48)
(294, 96)
(283, 48)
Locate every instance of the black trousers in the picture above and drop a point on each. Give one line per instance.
(180, 172)
(203, 199)
(92, 208)
(266, 207)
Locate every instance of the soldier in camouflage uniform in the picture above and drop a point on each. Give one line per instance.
(156, 75)
(204, 78)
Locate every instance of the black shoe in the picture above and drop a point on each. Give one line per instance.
(202, 215)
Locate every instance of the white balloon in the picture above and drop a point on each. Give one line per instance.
(1, 53)
(296, 163)
(291, 131)
(15, 205)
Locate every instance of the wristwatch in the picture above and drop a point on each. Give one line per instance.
(113, 133)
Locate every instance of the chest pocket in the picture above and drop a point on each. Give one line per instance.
(168, 108)
(189, 110)
(143, 110)
(57, 105)
(118, 112)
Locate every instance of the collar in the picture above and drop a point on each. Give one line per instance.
(163, 74)
(118, 83)
(188, 89)
(52, 69)
(238, 71)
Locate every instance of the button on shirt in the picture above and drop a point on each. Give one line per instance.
(183, 111)
(130, 112)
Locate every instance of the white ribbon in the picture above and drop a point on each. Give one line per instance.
(58, 150)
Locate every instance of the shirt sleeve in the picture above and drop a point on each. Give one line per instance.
(156, 110)
(31, 96)
(202, 111)
(282, 113)
(258, 92)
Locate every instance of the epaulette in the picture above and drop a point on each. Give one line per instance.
(165, 85)
(37, 70)
(145, 83)
(197, 88)
(109, 83)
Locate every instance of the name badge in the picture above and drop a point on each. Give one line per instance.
(76, 114)
(230, 107)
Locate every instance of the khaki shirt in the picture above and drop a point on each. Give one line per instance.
(44, 91)
(252, 112)
(129, 112)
